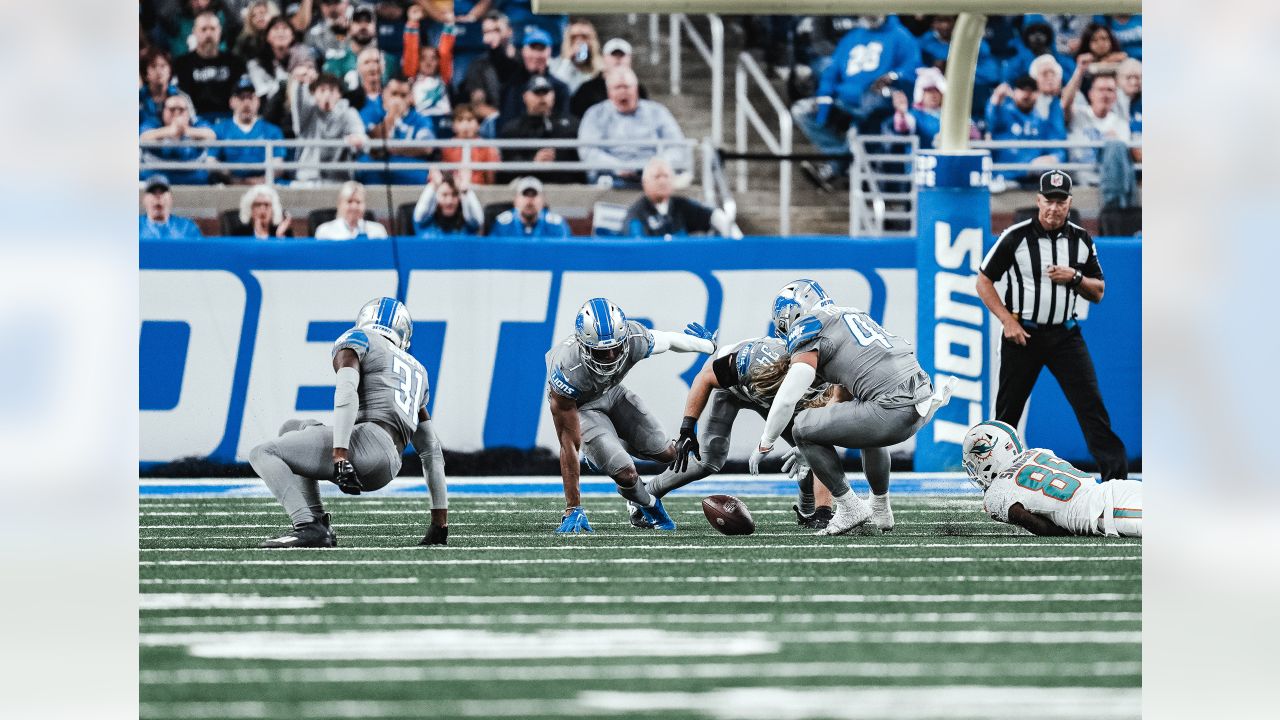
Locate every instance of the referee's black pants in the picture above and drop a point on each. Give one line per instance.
(1063, 350)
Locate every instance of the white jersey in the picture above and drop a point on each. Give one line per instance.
(1050, 487)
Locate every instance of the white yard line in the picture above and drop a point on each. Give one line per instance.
(1016, 542)
(647, 671)
(645, 579)
(300, 557)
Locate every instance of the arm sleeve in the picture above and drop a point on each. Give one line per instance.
(426, 204)
(589, 131)
(680, 342)
(472, 210)
(432, 456)
(445, 48)
(354, 125)
(1092, 268)
(346, 405)
(799, 378)
(1000, 257)
(412, 50)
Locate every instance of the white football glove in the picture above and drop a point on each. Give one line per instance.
(757, 455)
(794, 465)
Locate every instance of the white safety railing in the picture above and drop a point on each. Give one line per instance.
(271, 167)
(882, 189)
(779, 144)
(715, 186)
(712, 54)
(1068, 145)
(655, 39)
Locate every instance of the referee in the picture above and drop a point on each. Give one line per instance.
(1048, 263)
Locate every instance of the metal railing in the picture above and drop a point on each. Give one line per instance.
(882, 188)
(271, 166)
(715, 186)
(779, 144)
(712, 54)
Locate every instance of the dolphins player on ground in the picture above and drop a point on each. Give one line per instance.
(736, 380)
(1036, 490)
(891, 398)
(379, 405)
(595, 415)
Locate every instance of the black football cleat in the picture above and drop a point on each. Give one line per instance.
(315, 534)
(817, 520)
(637, 518)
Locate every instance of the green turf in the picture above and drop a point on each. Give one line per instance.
(947, 599)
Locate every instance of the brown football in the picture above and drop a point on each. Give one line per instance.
(728, 514)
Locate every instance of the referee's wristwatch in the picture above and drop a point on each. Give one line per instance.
(1076, 279)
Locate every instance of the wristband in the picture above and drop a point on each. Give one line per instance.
(1077, 279)
(687, 425)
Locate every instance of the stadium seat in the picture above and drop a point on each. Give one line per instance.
(1120, 221)
(404, 219)
(316, 218)
(228, 220)
(607, 218)
(491, 213)
(1026, 213)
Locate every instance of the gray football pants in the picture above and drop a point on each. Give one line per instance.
(866, 426)
(292, 464)
(615, 427)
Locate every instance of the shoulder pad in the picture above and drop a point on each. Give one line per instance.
(353, 339)
(560, 385)
(506, 216)
(806, 328)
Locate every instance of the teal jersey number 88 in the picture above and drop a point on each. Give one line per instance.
(1053, 477)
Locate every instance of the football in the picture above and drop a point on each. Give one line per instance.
(728, 514)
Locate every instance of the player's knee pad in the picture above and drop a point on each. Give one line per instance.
(715, 452)
(626, 477)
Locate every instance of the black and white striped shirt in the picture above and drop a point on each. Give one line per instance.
(1020, 258)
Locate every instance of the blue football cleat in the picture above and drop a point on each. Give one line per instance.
(575, 522)
(658, 516)
(636, 516)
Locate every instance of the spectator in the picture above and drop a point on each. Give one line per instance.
(1067, 30)
(616, 54)
(362, 36)
(397, 120)
(429, 69)
(158, 222)
(367, 97)
(350, 223)
(658, 213)
(183, 38)
(539, 122)
(530, 217)
(1098, 120)
(391, 26)
(207, 74)
(626, 117)
(1037, 40)
(156, 73)
(480, 85)
(326, 36)
(1127, 30)
(923, 117)
(466, 18)
(180, 125)
(1012, 115)
(815, 41)
(244, 124)
(261, 215)
(1047, 73)
(254, 31)
(269, 69)
(466, 126)
(447, 207)
(535, 55)
(854, 91)
(1129, 84)
(935, 44)
(1099, 45)
(579, 59)
(320, 113)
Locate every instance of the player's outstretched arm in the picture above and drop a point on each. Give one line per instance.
(695, 338)
(1033, 523)
(804, 367)
(432, 456)
(687, 443)
(346, 406)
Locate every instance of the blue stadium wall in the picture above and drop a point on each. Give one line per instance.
(235, 334)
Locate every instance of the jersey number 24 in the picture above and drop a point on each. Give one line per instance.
(409, 394)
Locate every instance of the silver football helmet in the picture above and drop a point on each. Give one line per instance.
(601, 331)
(795, 300)
(989, 448)
(387, 317)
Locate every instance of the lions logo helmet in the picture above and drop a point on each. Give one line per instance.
(601, 332)
(795, 300)
(989, 448)
(389, 318)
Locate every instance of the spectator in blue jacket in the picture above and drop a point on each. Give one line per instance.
(244, 124)
(396, 119)
(158, 222)
(155, 72)
(1011, 115)
(854, 90)
(179, 125)
(1037, 40)
(936, 44)
(1127, 30)
(530, 217)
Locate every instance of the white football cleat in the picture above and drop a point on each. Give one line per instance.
(882, 512)
(849, 515)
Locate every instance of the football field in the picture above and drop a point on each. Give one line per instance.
(950, 615)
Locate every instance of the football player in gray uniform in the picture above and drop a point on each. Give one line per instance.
(379, 406)
(595, 415)
(743, 376)
(891, 397)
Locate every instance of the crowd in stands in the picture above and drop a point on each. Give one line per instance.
(881, 75)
